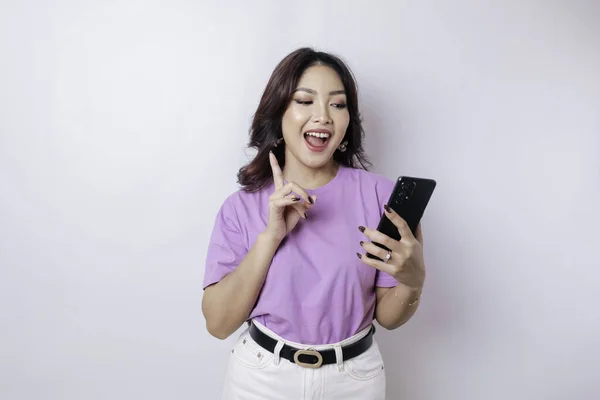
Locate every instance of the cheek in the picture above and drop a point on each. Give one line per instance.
(341, 122)
(294, 119)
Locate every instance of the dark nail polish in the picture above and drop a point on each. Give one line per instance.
(305, 216)
(361, 228)
(296, 198)
(359, 255)
(361, 242)
(311, 200)
(387, 208)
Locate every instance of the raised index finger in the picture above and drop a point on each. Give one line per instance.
(277, 174)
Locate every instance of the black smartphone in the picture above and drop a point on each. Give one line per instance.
(409, 199)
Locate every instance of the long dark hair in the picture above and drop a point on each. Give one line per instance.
(266, 124)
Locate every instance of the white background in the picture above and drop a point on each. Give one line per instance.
(123, 124)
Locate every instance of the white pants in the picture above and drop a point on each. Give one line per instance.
(256, 374)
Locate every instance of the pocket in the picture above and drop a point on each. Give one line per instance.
(248, 353)
(367, 366)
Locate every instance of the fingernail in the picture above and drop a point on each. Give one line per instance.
(361, 242)
(359, 255)
(361, 228)
(311, 200)
(296, 198)
(305, 216)
(387, 208)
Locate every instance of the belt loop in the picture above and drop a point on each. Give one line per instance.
(276, 352)
(339, 357)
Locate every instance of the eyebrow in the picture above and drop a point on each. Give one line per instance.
(311, 91)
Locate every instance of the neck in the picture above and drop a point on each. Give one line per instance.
(306, 177)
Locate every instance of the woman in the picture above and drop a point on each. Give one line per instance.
(283, 252)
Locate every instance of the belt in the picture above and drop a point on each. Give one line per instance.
(310, 358)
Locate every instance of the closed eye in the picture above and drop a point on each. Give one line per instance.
(308, 102)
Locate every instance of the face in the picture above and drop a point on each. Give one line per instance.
(316, 119)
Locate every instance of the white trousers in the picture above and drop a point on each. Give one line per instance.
(254, 373)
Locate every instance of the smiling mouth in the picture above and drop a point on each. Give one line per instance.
(317, 140)
(317, 137)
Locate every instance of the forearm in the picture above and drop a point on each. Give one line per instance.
(228, 303)
(396, 306)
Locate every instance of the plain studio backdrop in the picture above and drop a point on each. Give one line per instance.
(123, 124)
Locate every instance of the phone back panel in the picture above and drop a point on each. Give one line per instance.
(409, 199)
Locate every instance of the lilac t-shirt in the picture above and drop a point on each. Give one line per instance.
(316, 291)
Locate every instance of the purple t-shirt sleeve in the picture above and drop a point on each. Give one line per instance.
(226, 248)
(384, 190)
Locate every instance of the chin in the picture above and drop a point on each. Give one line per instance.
(312, 157)
(316, 161)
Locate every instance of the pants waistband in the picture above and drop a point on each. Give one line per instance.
(351, 340)
(311, 356)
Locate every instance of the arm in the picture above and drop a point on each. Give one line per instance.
(395, 306)
(228, 303)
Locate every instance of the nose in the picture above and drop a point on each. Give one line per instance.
(321, 114)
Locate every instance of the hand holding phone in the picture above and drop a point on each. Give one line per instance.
(409, 200)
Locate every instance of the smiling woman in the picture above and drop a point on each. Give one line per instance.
(305, 128)
(304, 84)
(282, 255)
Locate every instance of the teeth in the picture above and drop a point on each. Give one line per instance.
(318, 134)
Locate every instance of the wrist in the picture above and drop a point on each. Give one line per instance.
(409, 294)
(269, 239)
(414, 284)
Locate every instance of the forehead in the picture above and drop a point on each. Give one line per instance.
(321, 77)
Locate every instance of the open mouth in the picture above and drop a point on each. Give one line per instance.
(316, 141)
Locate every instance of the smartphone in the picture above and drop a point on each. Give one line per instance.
(409, 199)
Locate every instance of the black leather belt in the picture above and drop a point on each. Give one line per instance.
(311, 358)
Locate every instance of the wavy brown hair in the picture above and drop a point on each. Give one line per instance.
(266, 124)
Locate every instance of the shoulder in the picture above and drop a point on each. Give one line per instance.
(381, 183)
(239, 203)
(242, 196)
